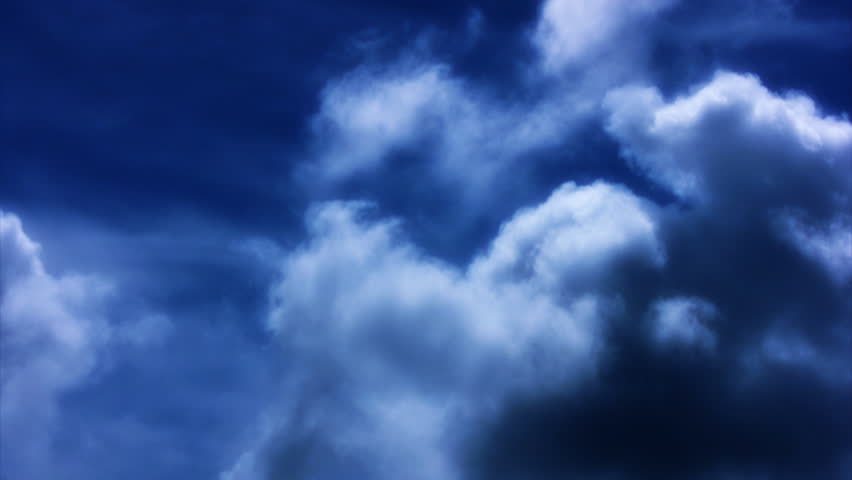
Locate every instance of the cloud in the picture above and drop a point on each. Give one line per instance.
(732, 145)
(367, 116)
(598, 334)
(574, 240)
(463, 131)
(732, 137)
(374, 119)
(572, 31)
(684, 321)
(766, 179)
(538, 339)
(586, 317)
(52, 330)
(728, 354)
(374, 115)
(395, 356)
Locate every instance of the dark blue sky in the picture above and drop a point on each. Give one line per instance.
(437, 240)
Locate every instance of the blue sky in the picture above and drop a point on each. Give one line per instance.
(426, 240)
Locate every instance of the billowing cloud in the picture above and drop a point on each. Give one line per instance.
(733, 138)
(730, 353)
(574, 240)
(736, 149)
(556, 350)
(397, 356)
(768, 178)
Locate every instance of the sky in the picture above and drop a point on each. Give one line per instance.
(468, 240)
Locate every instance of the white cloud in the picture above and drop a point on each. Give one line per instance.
(372, 112)
(52, 328)
(570, 31)
(470, 134)
(731, 136)
(358, 286)
(395, 355)
(575, 237)
(367, 116)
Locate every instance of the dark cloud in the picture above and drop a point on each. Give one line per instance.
(653, 415)
(763, 396)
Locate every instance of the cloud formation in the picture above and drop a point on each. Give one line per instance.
(542, 240)
(599, 334)
(418, 111)
(731, 354)
(395, 356)
(731, 138)
(735, 149)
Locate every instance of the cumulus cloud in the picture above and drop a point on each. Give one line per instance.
(597, 334)
(695, 324)
(401, 363)
(367, 116)
(732, 145)
(399, 355)
(574, 240)
(767, 177)
(473, 133)
(829, 243)
(732, 138)
(52, 329)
